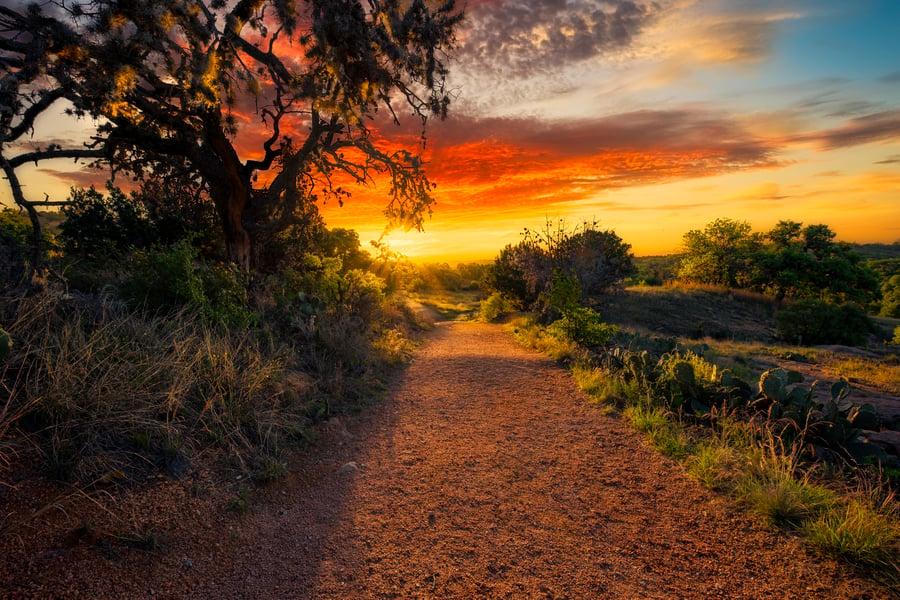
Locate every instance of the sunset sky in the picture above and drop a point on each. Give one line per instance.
(654, 118)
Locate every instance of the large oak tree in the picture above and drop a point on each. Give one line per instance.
(234, 89)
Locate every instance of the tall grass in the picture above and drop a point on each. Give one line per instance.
(103, 390)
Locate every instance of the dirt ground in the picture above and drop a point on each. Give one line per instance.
(484, 474)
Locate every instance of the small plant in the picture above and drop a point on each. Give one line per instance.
(774, 487)
(240, 503)
(666, 436)
(855, 531)
(495, 305)
(714, 465)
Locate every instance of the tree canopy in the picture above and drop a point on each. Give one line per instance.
(223, 92)
(789, 261)
(596, 259)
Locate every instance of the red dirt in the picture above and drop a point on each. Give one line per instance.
(485, 474)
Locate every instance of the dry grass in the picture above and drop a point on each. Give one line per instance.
(692, 312)
(877, 373)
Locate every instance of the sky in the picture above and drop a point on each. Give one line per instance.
(652, 118)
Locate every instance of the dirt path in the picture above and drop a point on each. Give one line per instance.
(484, 475)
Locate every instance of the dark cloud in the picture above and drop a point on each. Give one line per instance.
(85, 178)
(521, 37)
(676, 131)
(874, 127)
(891, 77)
(890, 160)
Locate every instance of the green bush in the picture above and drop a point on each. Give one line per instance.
(820, 322)
(99, 226)
(495, 305)
(583, 326)
(169, 277)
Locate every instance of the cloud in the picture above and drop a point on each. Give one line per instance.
(875, 127)
(85, 177)
(890, 160)
(522, 38)
(891, 77)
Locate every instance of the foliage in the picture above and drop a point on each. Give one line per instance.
(15, 242)
(820, 322)
(890, 297)
(495, 305)
(583, 326)
(169, 277)
(598, 260)
(718, 255)
(105, 226)
(789, 261)
(166, 85)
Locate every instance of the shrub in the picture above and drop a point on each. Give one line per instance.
(583, 326)
(169, 277)
(819, 322)
(164, 277)
(495, 305)
(99, 225)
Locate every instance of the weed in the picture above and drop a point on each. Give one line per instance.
(773, 487)
(240, 503)
(666, 436)
(715, 465)
(856, 531)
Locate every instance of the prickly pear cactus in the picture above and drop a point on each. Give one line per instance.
(683, 372)
(773, 385)
(864, 417)
(6, 344)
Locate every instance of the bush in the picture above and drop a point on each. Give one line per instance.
(583, 326)
(169, 277)
(819, 322)
(495, 305)
(99, 226)
(15, 230)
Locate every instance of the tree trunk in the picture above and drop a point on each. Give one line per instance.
(230, 188)
(231, 197)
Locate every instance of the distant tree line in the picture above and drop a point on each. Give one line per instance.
(790, 261)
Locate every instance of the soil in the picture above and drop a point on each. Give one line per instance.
(484, 474)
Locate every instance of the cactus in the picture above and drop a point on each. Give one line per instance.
(864, 417)
(6, 344)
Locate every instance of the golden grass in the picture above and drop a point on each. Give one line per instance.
(876, 373)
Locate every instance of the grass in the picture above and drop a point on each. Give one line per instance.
(877, 373)
(773, 487)
(858, 532)
(527, 330)
(665, 435)
(738, 459)
(448, 303)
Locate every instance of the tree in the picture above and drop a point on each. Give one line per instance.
(719, 254)
(174, 81)
(598, 260)
(806, 262)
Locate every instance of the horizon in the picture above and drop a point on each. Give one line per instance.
(651, 118)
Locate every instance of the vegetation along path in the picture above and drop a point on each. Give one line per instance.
(484, 474)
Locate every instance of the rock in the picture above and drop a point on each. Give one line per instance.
(888, 440)
(350, 467)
